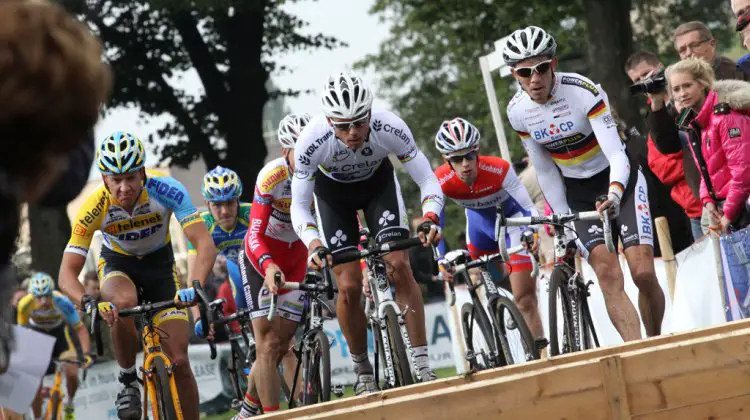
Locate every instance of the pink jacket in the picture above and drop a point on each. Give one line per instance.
(725, 145)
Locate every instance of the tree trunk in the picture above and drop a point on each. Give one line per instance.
(49, 228)
(610, 42)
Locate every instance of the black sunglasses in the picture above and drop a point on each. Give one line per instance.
(460, 158)
(540, 68)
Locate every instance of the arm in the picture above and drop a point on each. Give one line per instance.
(605, 130)
(513, 186)
(255, 247)
(663, 131)
(198, 235)
(668, 167)
(67, 278)
(303, 185)
(735, 140)
(550, 180)
(68, 310)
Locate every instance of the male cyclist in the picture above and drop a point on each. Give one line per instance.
(227, 220)
(342, 157)
(52, 313)
(572, 141)
(271, 248)
(480, 184)
(136, 264)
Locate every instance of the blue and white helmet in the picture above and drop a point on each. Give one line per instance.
(221, 184)
(41, 284)
(120, 153)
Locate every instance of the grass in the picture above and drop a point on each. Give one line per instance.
(348, 392)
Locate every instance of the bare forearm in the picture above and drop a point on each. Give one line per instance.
(204, 263)
(70, 285)
(83, 337)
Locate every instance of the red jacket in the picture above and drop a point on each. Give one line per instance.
(725, 145)
(225, 291)
(670, 170)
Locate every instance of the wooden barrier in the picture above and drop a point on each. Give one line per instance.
(604, 364)
(667, 254)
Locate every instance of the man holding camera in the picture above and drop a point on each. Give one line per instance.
(672, 163)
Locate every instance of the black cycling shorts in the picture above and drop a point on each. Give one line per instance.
(379, 197)
(633, 224)
(63, 344)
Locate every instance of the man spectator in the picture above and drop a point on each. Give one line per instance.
(740, 7)
(694, 39)
(424, 268)
(676, 169)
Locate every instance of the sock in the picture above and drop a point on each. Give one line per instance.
(250, 406)
(421, 358)
(127, 377)
(271, 409)
(361, 364)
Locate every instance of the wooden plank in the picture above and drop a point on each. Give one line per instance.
(734, 408)
(513, 370)
(614, 388)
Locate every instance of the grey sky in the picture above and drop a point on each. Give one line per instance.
(347, 20)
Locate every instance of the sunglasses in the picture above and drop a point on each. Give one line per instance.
(540, 68)
(460, 158)
(346, 125)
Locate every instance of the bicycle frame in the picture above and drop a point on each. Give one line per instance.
(55, 389)
(152, 349)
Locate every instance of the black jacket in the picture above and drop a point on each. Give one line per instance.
(665, 134)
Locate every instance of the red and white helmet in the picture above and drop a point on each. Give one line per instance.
(457, 135)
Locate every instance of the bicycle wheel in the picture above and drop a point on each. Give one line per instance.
(558, 290)
(54, 408)
(318, 380)
(589, 340)
(163, 395)
(517, 344)
(481, 344)
(401, 363)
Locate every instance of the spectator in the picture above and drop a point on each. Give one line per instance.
(740, 7)
(91, 284)
(694, 39)
(424, 268)
(54, 83)
(743, 29)
(722, 152)
(225, 292)
(18, 294)
(668, 167)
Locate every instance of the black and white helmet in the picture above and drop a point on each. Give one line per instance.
(290, 127)
(456, 135)
(526, 43)
(345, 95)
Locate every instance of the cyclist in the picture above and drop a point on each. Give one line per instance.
(272, 247)
(137, 262)
(572, 140)
(349, 147)
(227, 220)
(480, 184)
(48, 311)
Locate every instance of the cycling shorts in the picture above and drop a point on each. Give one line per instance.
(154, 277)
(63, 343)
(480, 237)
(235, 282)
(634, 223)
(258, 299)
(379, 197)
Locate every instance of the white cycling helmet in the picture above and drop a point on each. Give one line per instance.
(346, 96)
(456, 135)
(290, 127)
(526, 43)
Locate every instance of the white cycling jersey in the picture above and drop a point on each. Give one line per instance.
(575, 132)
(319, 150)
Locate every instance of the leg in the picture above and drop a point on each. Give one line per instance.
(71, 381)
(120, 290)
(176, 347)
(351, 314)
(619, 307)
(524, 295)
(408, 293)
(289, 363)
(270, 338)
(650, 295)
(36, 403)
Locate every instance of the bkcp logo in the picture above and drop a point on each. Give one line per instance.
(553, 130)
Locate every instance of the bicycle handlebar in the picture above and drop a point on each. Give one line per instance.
(375, 250)
(322, 283)
(448, 288)
(486, 259)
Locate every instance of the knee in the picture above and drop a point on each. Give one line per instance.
(401, 269)
(271, 347)
(180, 361)
(643, 277)
(350, 285)
(526, 302)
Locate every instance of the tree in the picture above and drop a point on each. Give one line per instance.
(230, 44)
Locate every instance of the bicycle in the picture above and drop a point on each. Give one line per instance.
(55, 394)
(159, 384)
(566, 284)
(313, 349)
(385, 318)
(500, 323)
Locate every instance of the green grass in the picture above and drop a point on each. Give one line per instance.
(348, 392)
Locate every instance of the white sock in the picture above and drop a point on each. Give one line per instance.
(421, 358)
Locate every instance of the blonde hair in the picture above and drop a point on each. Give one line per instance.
(698, 68)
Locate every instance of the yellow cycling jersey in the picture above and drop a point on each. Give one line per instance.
(62, 310)
(139, 233)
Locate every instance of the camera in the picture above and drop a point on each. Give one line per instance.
(654, 84)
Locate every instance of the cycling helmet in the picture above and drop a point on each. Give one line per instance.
(120, 153)
(41, 284)
(526, 43)
(290, 127)
(456, 135)
(345, 95)
(221, 184)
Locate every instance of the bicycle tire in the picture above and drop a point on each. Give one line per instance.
(588, 335)
(398, 349)
(469, 313)
(499, 304)
(166, 407)
(319, 388)
(55, 407)
(558, 283)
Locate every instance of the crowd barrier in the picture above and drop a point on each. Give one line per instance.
(699, 300)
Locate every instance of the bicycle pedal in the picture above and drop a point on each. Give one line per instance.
(337, 390)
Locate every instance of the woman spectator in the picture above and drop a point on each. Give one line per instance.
(720, 112)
